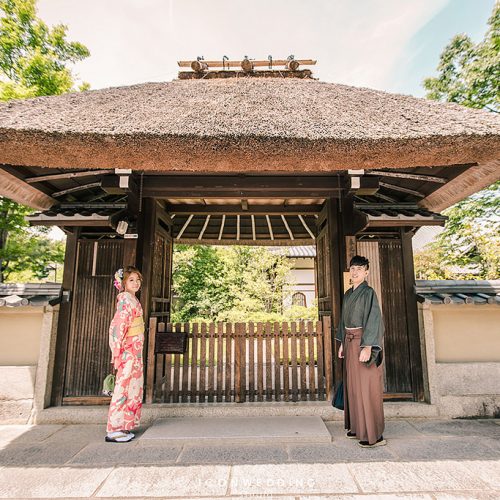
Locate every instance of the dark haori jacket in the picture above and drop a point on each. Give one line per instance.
(361, 309)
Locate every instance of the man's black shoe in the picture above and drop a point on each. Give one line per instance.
(380, 442)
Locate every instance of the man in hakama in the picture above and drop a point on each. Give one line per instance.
(360, 333)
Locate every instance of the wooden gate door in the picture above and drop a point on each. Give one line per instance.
(244, 362)
(157, 262)
(388, 277)
(328, 257)
(93, 305)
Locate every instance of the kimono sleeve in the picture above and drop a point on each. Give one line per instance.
(373, 327)
(120, 324)
(340, 329)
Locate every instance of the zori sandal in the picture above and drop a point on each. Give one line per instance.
(118, 437)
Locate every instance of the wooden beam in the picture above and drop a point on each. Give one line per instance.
(186, 224)
(238, 227)
(236, 209)
(67, 175)
(270, 227)
(287, 227)
(319, 193)
(232, 186)
(306, 227)
(404, 175)
(384, 197)
(204, 227)
(402, 189)
(380, 222)
(222, 226)
(363, 185)
(247, 242)
(353, 220)
(77, 188)
(21, 192)
(253, 227)
(475, 178)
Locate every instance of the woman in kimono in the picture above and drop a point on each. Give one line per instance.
(126, 339)
(360, 333)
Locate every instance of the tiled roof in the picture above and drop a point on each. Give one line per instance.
(296, 252)
(30, 294)
(411, 214)
(458, 291)
(62, 215)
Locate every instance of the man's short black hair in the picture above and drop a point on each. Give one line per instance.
(359, 260)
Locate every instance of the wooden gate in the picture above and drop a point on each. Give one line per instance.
(402, 380)
(92, 308)
(244, 362)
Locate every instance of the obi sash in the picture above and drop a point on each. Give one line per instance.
(136, 328)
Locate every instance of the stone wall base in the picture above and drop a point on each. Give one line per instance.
(16, 412)
(470, 406)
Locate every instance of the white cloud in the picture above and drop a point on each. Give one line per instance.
(356, 42)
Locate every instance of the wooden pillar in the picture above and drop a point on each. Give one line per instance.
(146, 231)
(146, 225)
(337, 259)
(412, 317)
(63, 326)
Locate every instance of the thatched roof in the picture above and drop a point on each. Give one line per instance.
(243, 125)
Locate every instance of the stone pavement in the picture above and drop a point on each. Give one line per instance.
(424, 459)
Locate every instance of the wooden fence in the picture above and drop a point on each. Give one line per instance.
(244, 362)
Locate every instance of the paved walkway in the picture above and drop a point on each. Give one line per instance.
(424, 459)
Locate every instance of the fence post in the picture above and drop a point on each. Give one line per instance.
(327, 337)
(151, 360)
(238, 396)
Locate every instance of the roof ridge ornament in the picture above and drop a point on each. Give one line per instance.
(202, 68)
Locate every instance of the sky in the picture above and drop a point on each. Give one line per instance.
(389, 45)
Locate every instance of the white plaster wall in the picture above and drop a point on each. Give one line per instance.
(26, 361)
(461, 353)
(20, 335)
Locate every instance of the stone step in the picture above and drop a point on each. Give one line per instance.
(237, 430)
(151, 413)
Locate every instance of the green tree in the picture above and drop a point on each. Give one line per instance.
(34, 61)
(34, 253)
(468, 247)
(198, 282)
(230, 284)
(24, 251)
(33, 57)
(469, 73)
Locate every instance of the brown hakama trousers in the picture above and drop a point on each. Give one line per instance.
(363, 391)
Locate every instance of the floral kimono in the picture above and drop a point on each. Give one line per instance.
(126, 339)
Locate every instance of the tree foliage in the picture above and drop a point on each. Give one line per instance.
(469, 246)
(34, 61)
(34, 58)
(25, 251)
(232, 284)
(469, 73)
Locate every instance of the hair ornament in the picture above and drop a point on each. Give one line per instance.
(118, 279)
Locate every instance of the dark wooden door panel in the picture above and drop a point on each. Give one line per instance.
(397, 354)
(93, 306)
